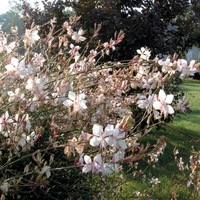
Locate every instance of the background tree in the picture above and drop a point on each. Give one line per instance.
(11, 19)
(163, 26)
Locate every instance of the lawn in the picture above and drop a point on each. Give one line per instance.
(182, 134)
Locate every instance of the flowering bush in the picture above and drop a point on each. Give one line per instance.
(66, 114)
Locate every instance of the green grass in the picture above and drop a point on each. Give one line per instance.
(183, 133)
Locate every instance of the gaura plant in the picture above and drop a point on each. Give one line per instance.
(59, 99)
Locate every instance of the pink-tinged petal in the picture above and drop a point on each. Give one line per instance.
(98, 162)
(97, 129)
(169, 98)
(157, 105)
(87, 159)
(80, 162)
(68, 102)
(98, 159)
(170, 110)
(122, 144)
(71, 95)
(86, 168)
(95, 141)
(162, 95)
(116, 157)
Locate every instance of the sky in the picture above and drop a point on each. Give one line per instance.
(4, 4)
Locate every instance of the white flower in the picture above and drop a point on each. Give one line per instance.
(99, 135)
(31, 36)
(154, 181)
(77, 36)
(110, 136)
(146, 103)
(15, 96)
(185, 69)
(163, 102)
(12, 68)
(116, 139)
(144, 53)
(78, 101)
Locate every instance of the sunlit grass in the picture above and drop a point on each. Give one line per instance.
(182, 134)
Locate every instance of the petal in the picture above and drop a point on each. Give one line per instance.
(87, 159)
(169, 98)
(98, 159)
(122, 144)
(81, 96)
(14, 62)
(139, 51)
(109, 127)
(68, 102)
(97, 129)
(10, 93)
(110, 141)
(71, 95)
(95, 141)
(108, 130)
(156, 114)
(170, 110)
(108, 169)
(162, 95)
(83, 105)
(86, 168)
(10, 67)
(157, 105)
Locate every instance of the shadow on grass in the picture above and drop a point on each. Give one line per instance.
(172, 179)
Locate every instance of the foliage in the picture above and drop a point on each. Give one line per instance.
(163, 26)
(71, 119)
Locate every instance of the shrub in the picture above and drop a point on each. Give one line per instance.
(68, 120)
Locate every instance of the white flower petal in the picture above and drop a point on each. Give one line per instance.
(83, 105)
(68, 102)
(87, 159)
(170, 110)
(110, 141)
(122, 144)
(109, 128)
(157, 105)
(94, 141)
(71, 95)
(98, 159)
(162, 95)
(169, 98)
(14, 62)
(10, 67)
(139, 51)
(86, 168)
(97, 129)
